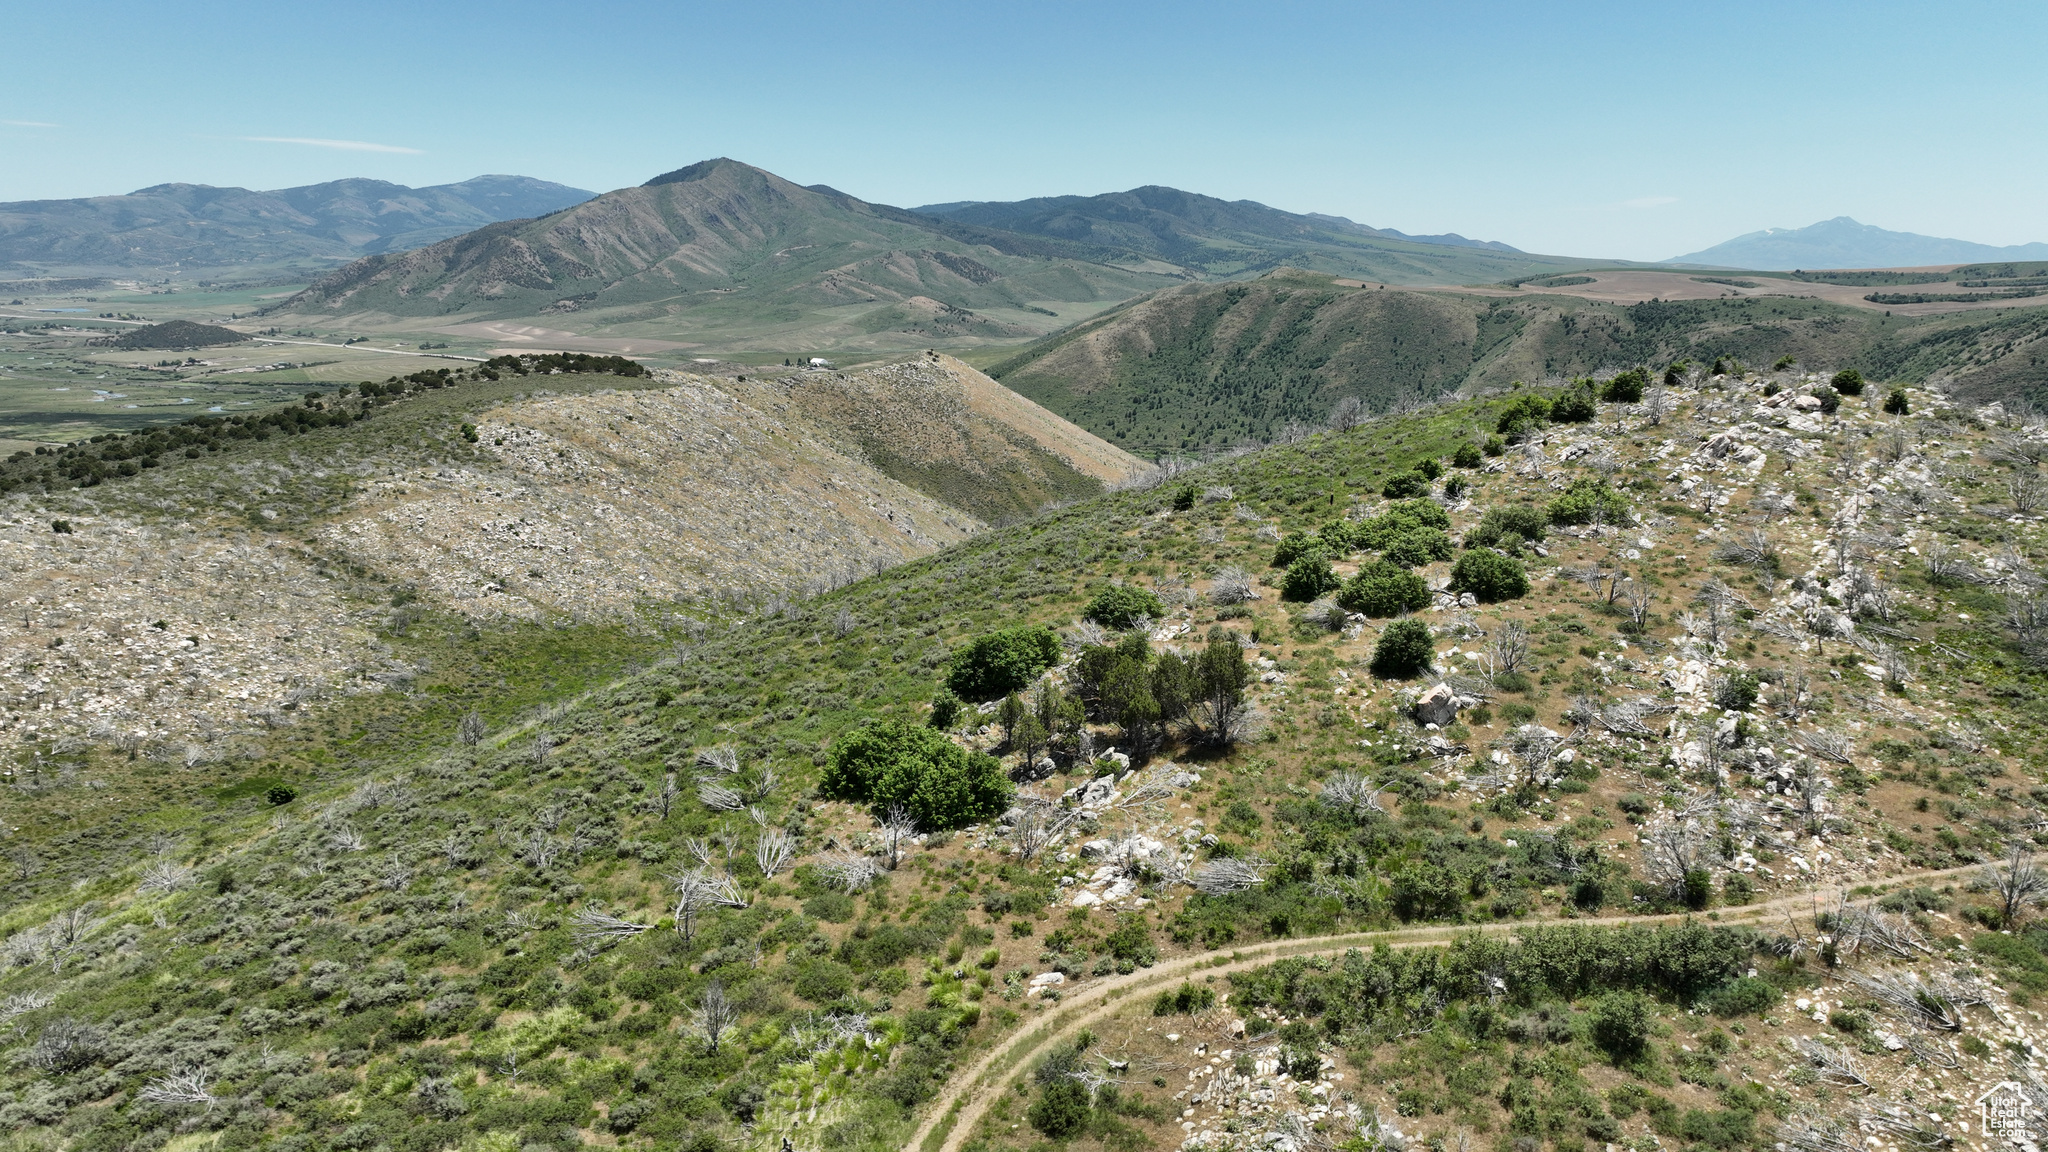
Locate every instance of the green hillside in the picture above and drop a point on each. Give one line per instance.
(1202, 367)
(1219, 239)
(550, 927)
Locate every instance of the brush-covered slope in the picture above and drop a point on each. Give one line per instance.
(197, 227)
(595, 498)
(1217, 239)
(721, 244)
(474, 941)
(1207, 366)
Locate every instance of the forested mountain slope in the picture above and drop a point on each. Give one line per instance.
(1201, 367)
(1524, 659)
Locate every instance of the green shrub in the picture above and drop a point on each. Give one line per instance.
(1430, 469)
(1183, 497)
(943, 785)
(1674, 374)
(1382, 588)
(1309, 578)
(1403, 650)
(999, 663)
(1489, 575)
(1895, 403)
(1384, 531)
(945, 708)
(1131, 942)
(1626, 388)
(1505, 528)
(1120, 606)
(1736, 692)
(1620, 1024)
(1848, 382)
(1587, 501)
(1744, 996)
(822, 981)
(1574, 407)
(1405, 485)
(1455, 487)
(1736, 890)
(1295, 545)
(1830, 403)
(281, 794)
(1523, 412)
(1061, 1109)
(1494, 446)
(1468, 455)
(1418, 546)
(1339, 537)
(1185, 1000)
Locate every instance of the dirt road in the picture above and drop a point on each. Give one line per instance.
(970, 1091)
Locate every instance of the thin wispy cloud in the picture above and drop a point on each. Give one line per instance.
(1649, 202)
(27, 124)
(340, 145)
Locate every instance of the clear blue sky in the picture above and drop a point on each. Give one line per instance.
(1637, 130)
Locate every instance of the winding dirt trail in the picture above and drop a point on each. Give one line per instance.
(969, 1092)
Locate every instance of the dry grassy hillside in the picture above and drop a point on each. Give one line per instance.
(946, 429)
(203, 601)
(598, 504)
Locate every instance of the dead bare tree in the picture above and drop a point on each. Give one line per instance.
(66, 934)
(693, 897)
(1827, 745)
(1657, 406)
(850, 870)
(1232, 586)
(1936, 1002)
(1037, 824)
(1510, 646)
(1673, 851)
(897, 829)
(594, 925)
(772, 851)
(2018, 882)
(2026, 491)
(715, 1015)
(666, 795)
(719, 798)
(1834, 1064)
(1750, 547)
(471, 730)
(1904, 1124)
(1948, 566)
(1223, 877)
(1354, 794)
(1636, 602)
(1814, 1131)
(193, 1086)
(165, 876)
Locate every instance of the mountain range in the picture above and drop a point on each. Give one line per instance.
(197, 227)
(1217, 237)
(726, 255)
(1845, 243)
